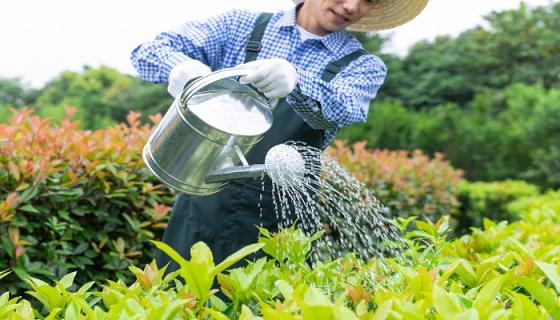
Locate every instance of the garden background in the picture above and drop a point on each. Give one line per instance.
(462, 144)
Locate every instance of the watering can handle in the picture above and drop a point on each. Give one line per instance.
(203, 81)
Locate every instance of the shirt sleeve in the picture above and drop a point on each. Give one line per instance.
(201, 40)
(342, 101)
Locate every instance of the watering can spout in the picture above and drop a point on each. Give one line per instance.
(283, 164)
(236, 172)
(225, 170)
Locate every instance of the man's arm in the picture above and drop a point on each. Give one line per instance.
(200, 40)
(342, 101)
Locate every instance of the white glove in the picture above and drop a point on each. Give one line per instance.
(183, 72)
(276, 78)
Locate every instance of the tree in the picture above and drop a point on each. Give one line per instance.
(102, 96)
(92, 93)
(14, 94)
(519, 46)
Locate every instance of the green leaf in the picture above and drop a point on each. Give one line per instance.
(342, 312)
(550, 271)
(285, 289)
(314, 297)
(170, 252)
(216, 314)
(68, 279)
(218, 304)
(270, 313)
(237, 256)
(72, 312)
(28, 208)
(246, 313)
(4, 298)
(427, 227)
(196, 272)
(542, 294)
(133, 307)
(466, 272)
(4, 273)
(315, 305)
(523, 307)
(488, 294)
(52, 315)
(201, 254)
(48, 296)
(165, 311)
(445, 303)
(22, 274)
(462, 268)
(469, 314)
(79, 249)
(383, 311)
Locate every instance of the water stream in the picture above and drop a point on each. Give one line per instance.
(313, 191)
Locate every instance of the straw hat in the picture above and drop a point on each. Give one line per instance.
(387, 14)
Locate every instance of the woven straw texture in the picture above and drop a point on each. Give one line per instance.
(387, 14)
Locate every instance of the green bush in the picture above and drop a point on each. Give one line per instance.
(505, 271)
(75, 200)
(490, 200)
(538, 209)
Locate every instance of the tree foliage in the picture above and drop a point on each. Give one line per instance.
(518, 46)
(511, 133)
(14, 94)
(102, 96)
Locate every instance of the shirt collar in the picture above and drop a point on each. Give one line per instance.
(334, 41)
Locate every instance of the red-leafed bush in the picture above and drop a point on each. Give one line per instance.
(409, 183)
(76, 200)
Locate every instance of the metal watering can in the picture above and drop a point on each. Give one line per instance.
(201, 141)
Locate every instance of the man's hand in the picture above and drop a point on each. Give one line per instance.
(276, 78)
(183, 72)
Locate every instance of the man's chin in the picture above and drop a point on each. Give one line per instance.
(337, 28)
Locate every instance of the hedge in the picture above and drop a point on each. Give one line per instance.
(75, 200)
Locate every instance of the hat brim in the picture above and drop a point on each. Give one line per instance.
(387, 14)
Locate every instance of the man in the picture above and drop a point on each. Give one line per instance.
(305, 57)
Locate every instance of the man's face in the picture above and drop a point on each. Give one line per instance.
(326, 16)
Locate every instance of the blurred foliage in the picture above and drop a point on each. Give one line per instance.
(507, 134)
(541, 209)
(76, 200)
(519, 45)
(408, 183)
(489, 200)
(102, 96)
(14, 94)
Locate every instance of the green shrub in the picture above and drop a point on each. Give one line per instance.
(490, 200)
(537, 209)
(408, 183)
(75, 200)
(502, 272)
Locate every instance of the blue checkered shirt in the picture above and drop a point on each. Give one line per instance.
(219, 42)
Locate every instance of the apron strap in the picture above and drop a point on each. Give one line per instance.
(335, 67)
(254, 44)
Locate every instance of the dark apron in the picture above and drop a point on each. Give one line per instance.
(227, 220)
